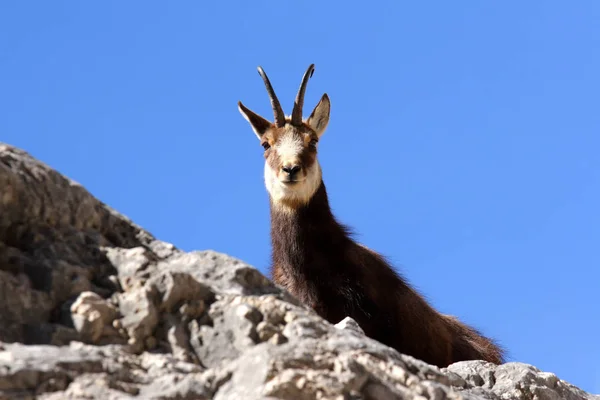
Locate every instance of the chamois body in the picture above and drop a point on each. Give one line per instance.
(315, 258)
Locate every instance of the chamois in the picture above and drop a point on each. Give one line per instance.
(317, 261)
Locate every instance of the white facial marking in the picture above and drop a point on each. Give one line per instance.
(289, 149)
(300, 192)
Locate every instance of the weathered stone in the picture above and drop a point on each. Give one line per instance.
(93, 317)
(177, 289)
(140, 316)
(163, 324)
(351, 325)
(516, 381)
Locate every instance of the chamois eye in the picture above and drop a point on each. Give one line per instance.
(266, 146)
(313, 143)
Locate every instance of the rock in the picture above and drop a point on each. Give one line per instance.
(514, 380)
(93, 317)
(350, 325)
(93, 306)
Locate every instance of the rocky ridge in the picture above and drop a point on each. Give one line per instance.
(94, 307)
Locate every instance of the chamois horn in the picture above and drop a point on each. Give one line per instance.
(299, 102)
(277, 110)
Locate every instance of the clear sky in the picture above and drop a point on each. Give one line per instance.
(463, 141)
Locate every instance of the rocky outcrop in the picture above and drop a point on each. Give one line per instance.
(93, 306)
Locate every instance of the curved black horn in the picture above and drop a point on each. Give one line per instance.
(277, 110)
(299, 103)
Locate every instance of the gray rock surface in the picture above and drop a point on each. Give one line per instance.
(94, 307)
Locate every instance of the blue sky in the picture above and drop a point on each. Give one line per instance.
(463, 141)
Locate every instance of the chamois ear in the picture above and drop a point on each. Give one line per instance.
(319, 118)
(259, 124)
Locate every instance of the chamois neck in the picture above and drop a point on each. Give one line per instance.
(317, 211)
(299, 235)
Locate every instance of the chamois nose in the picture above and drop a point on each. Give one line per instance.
(291, 170)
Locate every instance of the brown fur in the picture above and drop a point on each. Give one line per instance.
(315, 259)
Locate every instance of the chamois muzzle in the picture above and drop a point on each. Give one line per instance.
(291, 171)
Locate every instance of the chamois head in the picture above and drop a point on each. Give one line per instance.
(292, 171)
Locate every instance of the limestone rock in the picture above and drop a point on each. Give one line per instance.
(93, 306)
(93, 317)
